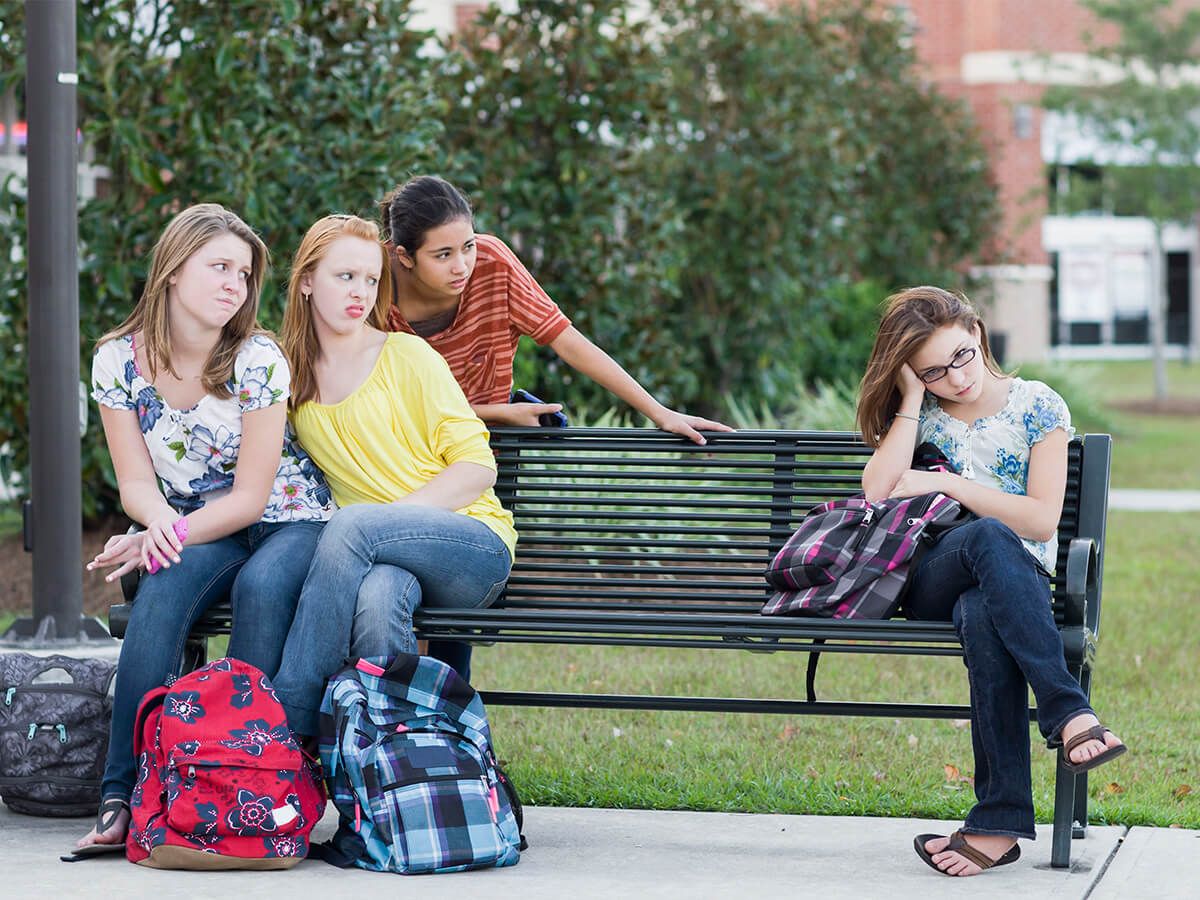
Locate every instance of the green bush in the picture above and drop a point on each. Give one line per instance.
(283, 111)
(552, 107)
(707, 189)
(718, 193)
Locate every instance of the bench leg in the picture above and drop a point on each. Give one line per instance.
(1064, 812)
(1079, 829)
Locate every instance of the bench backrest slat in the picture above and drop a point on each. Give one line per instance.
(650, 522)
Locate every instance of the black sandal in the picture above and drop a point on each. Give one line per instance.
(106, 817)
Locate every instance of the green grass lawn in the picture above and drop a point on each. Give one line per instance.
(1144, 687)
(1149, 451)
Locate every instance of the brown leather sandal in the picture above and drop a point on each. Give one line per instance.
(1095, 733)
(958, 843)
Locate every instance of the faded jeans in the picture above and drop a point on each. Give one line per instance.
(261, 569)
(383, 560)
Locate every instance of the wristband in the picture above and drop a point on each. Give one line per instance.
(910, 418)
(180, 527)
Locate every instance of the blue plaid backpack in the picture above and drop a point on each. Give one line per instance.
(409, 762)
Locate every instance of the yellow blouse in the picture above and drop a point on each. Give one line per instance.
(402, 426)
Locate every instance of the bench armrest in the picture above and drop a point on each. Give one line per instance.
(1082, 566)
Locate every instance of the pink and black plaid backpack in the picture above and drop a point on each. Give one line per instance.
(221, 782)
(850, 559)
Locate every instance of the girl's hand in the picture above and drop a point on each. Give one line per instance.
(910, 386)
(527, 413)
(915, 482)
(160, 542)
(688, 426)
(121, 550)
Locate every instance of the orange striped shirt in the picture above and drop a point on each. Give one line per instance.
(501, 302)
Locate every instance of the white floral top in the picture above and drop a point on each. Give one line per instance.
(995, 450)
(195, 451)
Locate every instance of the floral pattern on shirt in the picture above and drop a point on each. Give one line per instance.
(995, 450)
(195, 451)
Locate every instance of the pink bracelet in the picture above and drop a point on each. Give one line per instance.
(180, 528)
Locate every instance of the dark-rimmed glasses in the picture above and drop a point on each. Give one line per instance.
(960, 359)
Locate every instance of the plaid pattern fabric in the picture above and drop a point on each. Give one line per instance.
(850, 559)
(408, 756)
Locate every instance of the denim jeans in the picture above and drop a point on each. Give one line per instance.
(981, 577)
(260, 569)
(383, 620)
(381, 561)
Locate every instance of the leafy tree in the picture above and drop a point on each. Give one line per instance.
(1142, 99)
(703, 188)
(811, 155)
(553, 104)
(284, 111)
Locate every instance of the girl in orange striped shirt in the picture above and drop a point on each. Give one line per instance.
(469, 296)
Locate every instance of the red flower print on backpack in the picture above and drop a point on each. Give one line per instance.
(221, 782)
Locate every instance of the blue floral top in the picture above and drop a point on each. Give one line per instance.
(995, 450)
(195, 451)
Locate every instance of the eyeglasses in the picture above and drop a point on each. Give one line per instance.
(960, 359)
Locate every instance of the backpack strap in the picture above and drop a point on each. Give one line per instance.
(150, 703)
(342, 849)
(810, 679)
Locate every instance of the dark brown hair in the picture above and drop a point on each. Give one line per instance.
(909, 318)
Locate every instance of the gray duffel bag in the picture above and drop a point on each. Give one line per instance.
(55, 713)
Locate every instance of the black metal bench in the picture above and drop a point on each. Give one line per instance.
(634, 537)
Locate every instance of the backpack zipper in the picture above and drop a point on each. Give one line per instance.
(35, 727)
(48, 689)
(430, 778)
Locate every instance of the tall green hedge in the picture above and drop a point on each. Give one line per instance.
(708, 189)
(719, 193)
(284, 111)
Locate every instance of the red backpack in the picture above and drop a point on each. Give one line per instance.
(221, 782)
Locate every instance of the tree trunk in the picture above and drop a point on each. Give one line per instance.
(1158, 315)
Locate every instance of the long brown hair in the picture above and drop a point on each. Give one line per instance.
(909, 318)
(298, 337)
(184, 235)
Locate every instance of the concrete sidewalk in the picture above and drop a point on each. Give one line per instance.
(584, 853)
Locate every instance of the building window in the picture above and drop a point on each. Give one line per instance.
(1023, 121)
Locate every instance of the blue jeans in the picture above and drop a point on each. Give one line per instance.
(981, 577)
(383, 561)
(383, 620)
(260, 569)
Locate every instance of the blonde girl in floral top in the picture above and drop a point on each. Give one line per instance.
(193, 397)
(931, 377)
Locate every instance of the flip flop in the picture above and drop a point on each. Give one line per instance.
(109, 810)
(1095, 733)
(958, 843)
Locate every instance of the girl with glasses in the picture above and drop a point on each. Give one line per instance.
(931, 377)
